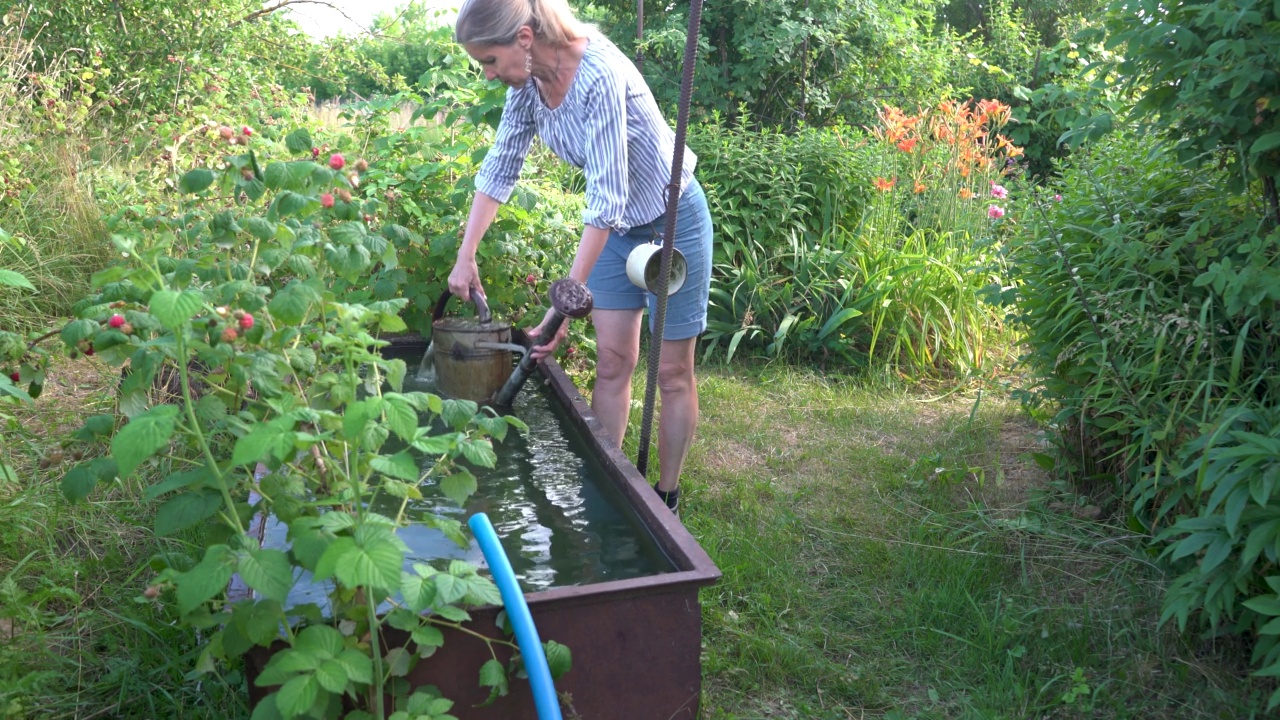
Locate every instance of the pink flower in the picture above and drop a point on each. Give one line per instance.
(995, 212)
(999, 191)
(1057, 198)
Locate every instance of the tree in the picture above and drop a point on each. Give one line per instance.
(1207, 76)
(791, 63)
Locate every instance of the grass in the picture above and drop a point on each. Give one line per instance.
(77, 640)
(885, 554)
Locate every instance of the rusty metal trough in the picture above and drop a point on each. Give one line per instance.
(636, 643)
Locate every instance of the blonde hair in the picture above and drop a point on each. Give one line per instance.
(496, 22)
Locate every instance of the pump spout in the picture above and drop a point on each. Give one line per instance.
(570, 299)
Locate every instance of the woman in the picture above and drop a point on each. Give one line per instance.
(587, 102)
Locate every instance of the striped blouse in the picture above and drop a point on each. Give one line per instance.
(609, 126)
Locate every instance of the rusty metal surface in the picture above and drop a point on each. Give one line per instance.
(464, 371)
(571, 298)
(636, 643)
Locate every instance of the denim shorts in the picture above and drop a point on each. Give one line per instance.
(687, 308)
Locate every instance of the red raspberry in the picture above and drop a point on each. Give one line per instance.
(14, 376)
(229, 335)
(315, 153)
(336, 161)
(246, 321)
(89, 350)
(246, 130)
(531, 278)
(116, 321)
(326, 200)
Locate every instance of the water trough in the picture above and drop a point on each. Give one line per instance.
(636, 642)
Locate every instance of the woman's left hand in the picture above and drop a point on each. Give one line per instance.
(547, 347)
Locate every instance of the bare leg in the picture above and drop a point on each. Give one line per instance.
(679, 412)
(617, 351)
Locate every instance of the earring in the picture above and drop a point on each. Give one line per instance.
(528, 62)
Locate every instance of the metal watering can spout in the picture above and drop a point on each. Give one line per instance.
(569, 299)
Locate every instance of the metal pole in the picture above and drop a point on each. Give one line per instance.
(669, 236)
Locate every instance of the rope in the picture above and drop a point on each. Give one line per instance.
(669, 236)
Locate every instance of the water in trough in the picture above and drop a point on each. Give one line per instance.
(560, 520)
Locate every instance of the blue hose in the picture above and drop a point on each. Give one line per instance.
(535, 660)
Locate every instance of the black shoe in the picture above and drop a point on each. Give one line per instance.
(672, 499)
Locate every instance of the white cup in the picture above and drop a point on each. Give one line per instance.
(644, 266)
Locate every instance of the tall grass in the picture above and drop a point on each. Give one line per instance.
(51, 229)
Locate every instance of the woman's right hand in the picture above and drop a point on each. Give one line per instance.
(464, 278)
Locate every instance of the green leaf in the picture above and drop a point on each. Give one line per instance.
(262, 625)
(77, 330)
(260, 228)
(274, 439)
(479, 452)
(268, 572)
(401, 417)
(322, 641)
(173, 308)
(178, 481)
(207, 579)
(288, 203)
(292, 305)
(332, 676)
(494, 675)
(310, 540)
(371, 559)
(559, 659)
(81, 479)
(419, 593)
(182, 511)
(16, 279)
(299, 141)
(285, 664)
(398, 661)
(459, 412)
(429, 444)
(96, 426)
(449, 589)
(1268, 605)
(357, 666)
(401, 465)
(142, 437)
(298, 695)
(459, 486)
(1267, 142)
(196, 180)
(428, 636)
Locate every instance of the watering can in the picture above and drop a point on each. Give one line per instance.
(471, 357)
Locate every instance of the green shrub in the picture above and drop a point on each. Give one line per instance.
(1148, 298)
(780, 282)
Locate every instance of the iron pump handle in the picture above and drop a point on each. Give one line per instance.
(482, 306)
